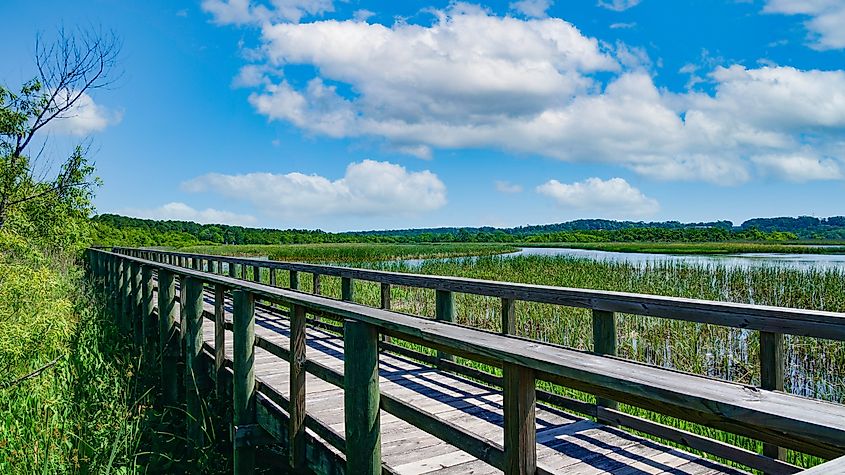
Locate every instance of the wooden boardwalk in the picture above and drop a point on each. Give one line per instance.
(565, 443)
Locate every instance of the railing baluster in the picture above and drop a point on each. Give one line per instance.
(508, 316)
(256, 274)
(771, 377)
(296, 427)
(148, 323)
(233, 271)
(168, 340)
(219, 339)
(192, 312)
(136, 316)
(125, 294)
(385, 296)
(273, 277)
(294, 280)
(315, 279)
(444, 311)
(243, 345)
(604, 343)
(347, 289)
(519, 413)
(361, 398)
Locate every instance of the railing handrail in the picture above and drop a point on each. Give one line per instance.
(748, 410)
(800, 322)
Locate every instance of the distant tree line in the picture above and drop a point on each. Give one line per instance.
(110, 229)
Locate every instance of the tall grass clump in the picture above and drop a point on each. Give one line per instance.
(67, 396)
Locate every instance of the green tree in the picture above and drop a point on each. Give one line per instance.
(37, 197)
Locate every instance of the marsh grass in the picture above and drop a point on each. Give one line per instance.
(353, 252)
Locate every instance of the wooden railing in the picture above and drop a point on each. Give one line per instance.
(767, 414)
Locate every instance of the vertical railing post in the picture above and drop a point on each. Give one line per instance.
(148, 323)
(191, 303)
(444, 311)
(136, 316)
(256, 274)
(294, 280)
(212, 266)
(361, 398)
(233, 270)
(771, 377)
(219, 339)
(125, 296)
(347, 289)
(273, 276)
(520, 426)
(508, 316)
(315, 279)
(296, 428)
(243, 346)
(385, 304)
(604, 343)
(168, 340)
(385, 296)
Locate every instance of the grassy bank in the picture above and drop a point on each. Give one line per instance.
(67, 394)
(346, 253)
(699, 247)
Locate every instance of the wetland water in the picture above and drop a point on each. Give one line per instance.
(749, 260)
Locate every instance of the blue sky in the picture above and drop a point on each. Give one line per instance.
(349, 115)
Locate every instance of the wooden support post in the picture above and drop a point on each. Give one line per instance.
(604, 343)
(444, 311)
(315, 278)
(219, 339)
(168, 340)
(347, 289)
(191, 303)
(233, 270)
(296, 427)
(212, 266)
(196, 263)
(256, 274)
(148, 323)
(273, 277)
(243, 345)
(771, 377)
(520, 429)
(135, 299)
(508, 316)
(361, 398)
(294, 280)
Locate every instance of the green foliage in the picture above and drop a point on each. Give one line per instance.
(76, 413)
(124, 231)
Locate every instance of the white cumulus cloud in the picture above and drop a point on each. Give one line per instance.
(368, 188)
(240, 12)
(798, 168)
(531, 8)
(472, 79)
(508, 187)
(179, 211)
(618, 5)
(826, 22)
(614, 197)
(84, 117)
